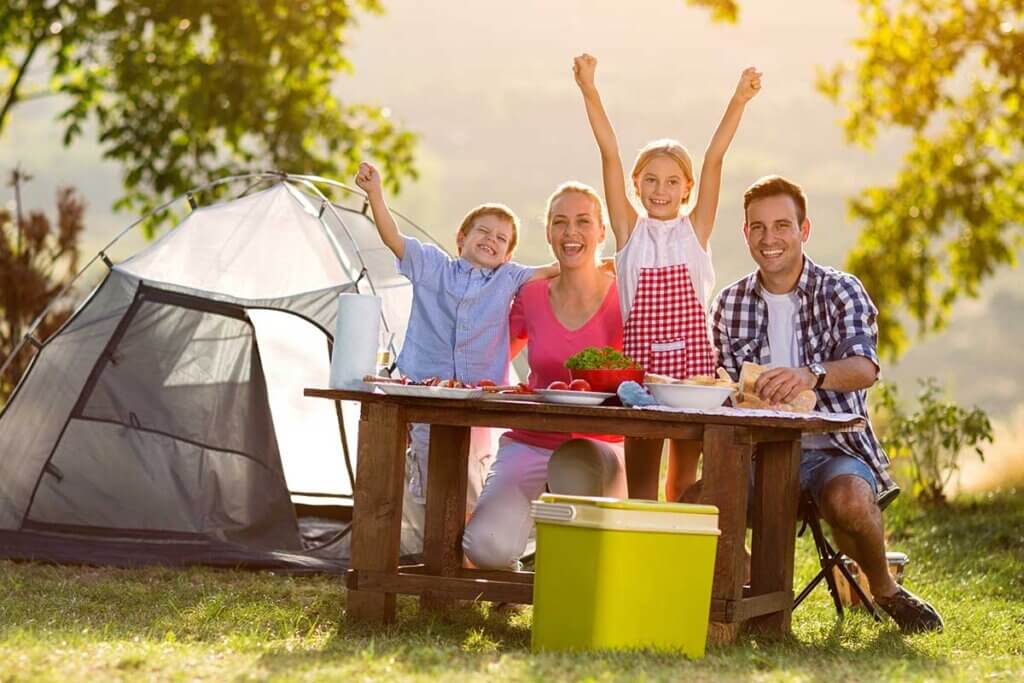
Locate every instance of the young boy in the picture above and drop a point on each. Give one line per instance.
(458, 326)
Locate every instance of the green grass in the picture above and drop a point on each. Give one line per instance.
(78, 624)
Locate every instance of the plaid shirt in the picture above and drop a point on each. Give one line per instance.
(836, 320)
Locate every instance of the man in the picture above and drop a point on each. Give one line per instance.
(816, 327)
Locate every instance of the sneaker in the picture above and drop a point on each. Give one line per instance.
(911, 613)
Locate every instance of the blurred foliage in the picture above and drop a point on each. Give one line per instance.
(184, 91)
(727, 11)
(37, 258)
(950, 73)
(931, 438)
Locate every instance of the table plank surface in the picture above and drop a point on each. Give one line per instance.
(807, 422)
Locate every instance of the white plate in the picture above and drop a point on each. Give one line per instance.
(498, 396)
(579, 398)
(694, 396)
(427, 392)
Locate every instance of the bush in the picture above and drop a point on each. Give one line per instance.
(932, 438)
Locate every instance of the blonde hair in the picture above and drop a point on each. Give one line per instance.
(580, 188)
(665, 147)
(492, 209)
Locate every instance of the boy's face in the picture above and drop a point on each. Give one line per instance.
(485, 244)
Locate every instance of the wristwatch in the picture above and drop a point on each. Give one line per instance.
(819, 372)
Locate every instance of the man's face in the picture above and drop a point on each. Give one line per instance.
(775, 237)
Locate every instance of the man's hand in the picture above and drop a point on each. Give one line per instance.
(368, 179)
(583, 69)
(781, 385)
(749, 85)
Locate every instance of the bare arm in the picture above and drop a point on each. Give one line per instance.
(781, 385)
(546, 272)
(620, 210)
(368, 180)
(704, 212)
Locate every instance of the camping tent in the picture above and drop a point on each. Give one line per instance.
(164, 422)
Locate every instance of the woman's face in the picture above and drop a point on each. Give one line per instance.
(575, 231)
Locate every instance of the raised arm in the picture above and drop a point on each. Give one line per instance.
(620, 210)
(703, 215)
(368, 180)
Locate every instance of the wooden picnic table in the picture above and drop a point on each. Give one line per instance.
(729, 440)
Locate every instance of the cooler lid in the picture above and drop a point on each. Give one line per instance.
(632, 515)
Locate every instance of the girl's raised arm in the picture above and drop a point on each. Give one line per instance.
(620, 210)
(703, 215)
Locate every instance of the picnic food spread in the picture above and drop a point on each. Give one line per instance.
(746, 397)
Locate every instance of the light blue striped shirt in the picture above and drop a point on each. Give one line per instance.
(458, 327)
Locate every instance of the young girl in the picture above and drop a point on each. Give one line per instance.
(663, 259)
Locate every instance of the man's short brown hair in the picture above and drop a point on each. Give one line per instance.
(773, 185)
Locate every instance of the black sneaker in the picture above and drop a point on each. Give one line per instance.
(911, 613)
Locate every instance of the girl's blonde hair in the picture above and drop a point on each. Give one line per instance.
(665, 147)
(492, 209)
(581, 188)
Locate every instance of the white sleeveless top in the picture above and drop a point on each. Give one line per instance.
(657, 244)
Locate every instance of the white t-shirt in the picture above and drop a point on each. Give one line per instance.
(657, 244)
(782, 322)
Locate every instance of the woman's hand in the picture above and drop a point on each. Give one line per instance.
(583, 69)
(749, 85)
(368, 179)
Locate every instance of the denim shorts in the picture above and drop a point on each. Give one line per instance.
(819, 467)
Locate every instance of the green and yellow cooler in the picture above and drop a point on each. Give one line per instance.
(622, 574)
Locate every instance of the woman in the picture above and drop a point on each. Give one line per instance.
(559, 317)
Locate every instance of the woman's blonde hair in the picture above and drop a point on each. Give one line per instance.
(665, 147)
(492, 209)
(580, 188)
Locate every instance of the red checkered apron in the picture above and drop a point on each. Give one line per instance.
(666, 331)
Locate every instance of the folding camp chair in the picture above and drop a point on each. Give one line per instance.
(829, 557)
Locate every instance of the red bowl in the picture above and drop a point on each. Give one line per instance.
(607, 380)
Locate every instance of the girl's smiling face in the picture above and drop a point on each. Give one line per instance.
(662, 186)
(575, 231)
(486, 243)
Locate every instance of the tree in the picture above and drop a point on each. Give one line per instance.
(949, 72)
(183, 91)
(37, 258)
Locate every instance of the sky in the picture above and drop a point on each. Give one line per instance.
(488, 88)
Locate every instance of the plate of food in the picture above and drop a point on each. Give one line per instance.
(430, 388)
(576, 392)
(520, 392)
(603, 368)
(698, 393)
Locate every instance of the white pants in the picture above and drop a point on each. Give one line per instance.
(482, 446)
(500, 526)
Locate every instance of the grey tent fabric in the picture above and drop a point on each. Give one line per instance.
(146, 419)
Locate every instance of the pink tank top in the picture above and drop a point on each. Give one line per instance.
(550, 343)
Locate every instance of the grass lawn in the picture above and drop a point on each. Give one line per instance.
(75, 624)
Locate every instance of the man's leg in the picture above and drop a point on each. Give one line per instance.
(847, 503)
(844, 489)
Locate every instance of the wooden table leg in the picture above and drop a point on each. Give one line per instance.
(377, 505)
(447, 467)
(776, 496)
(726, 473)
